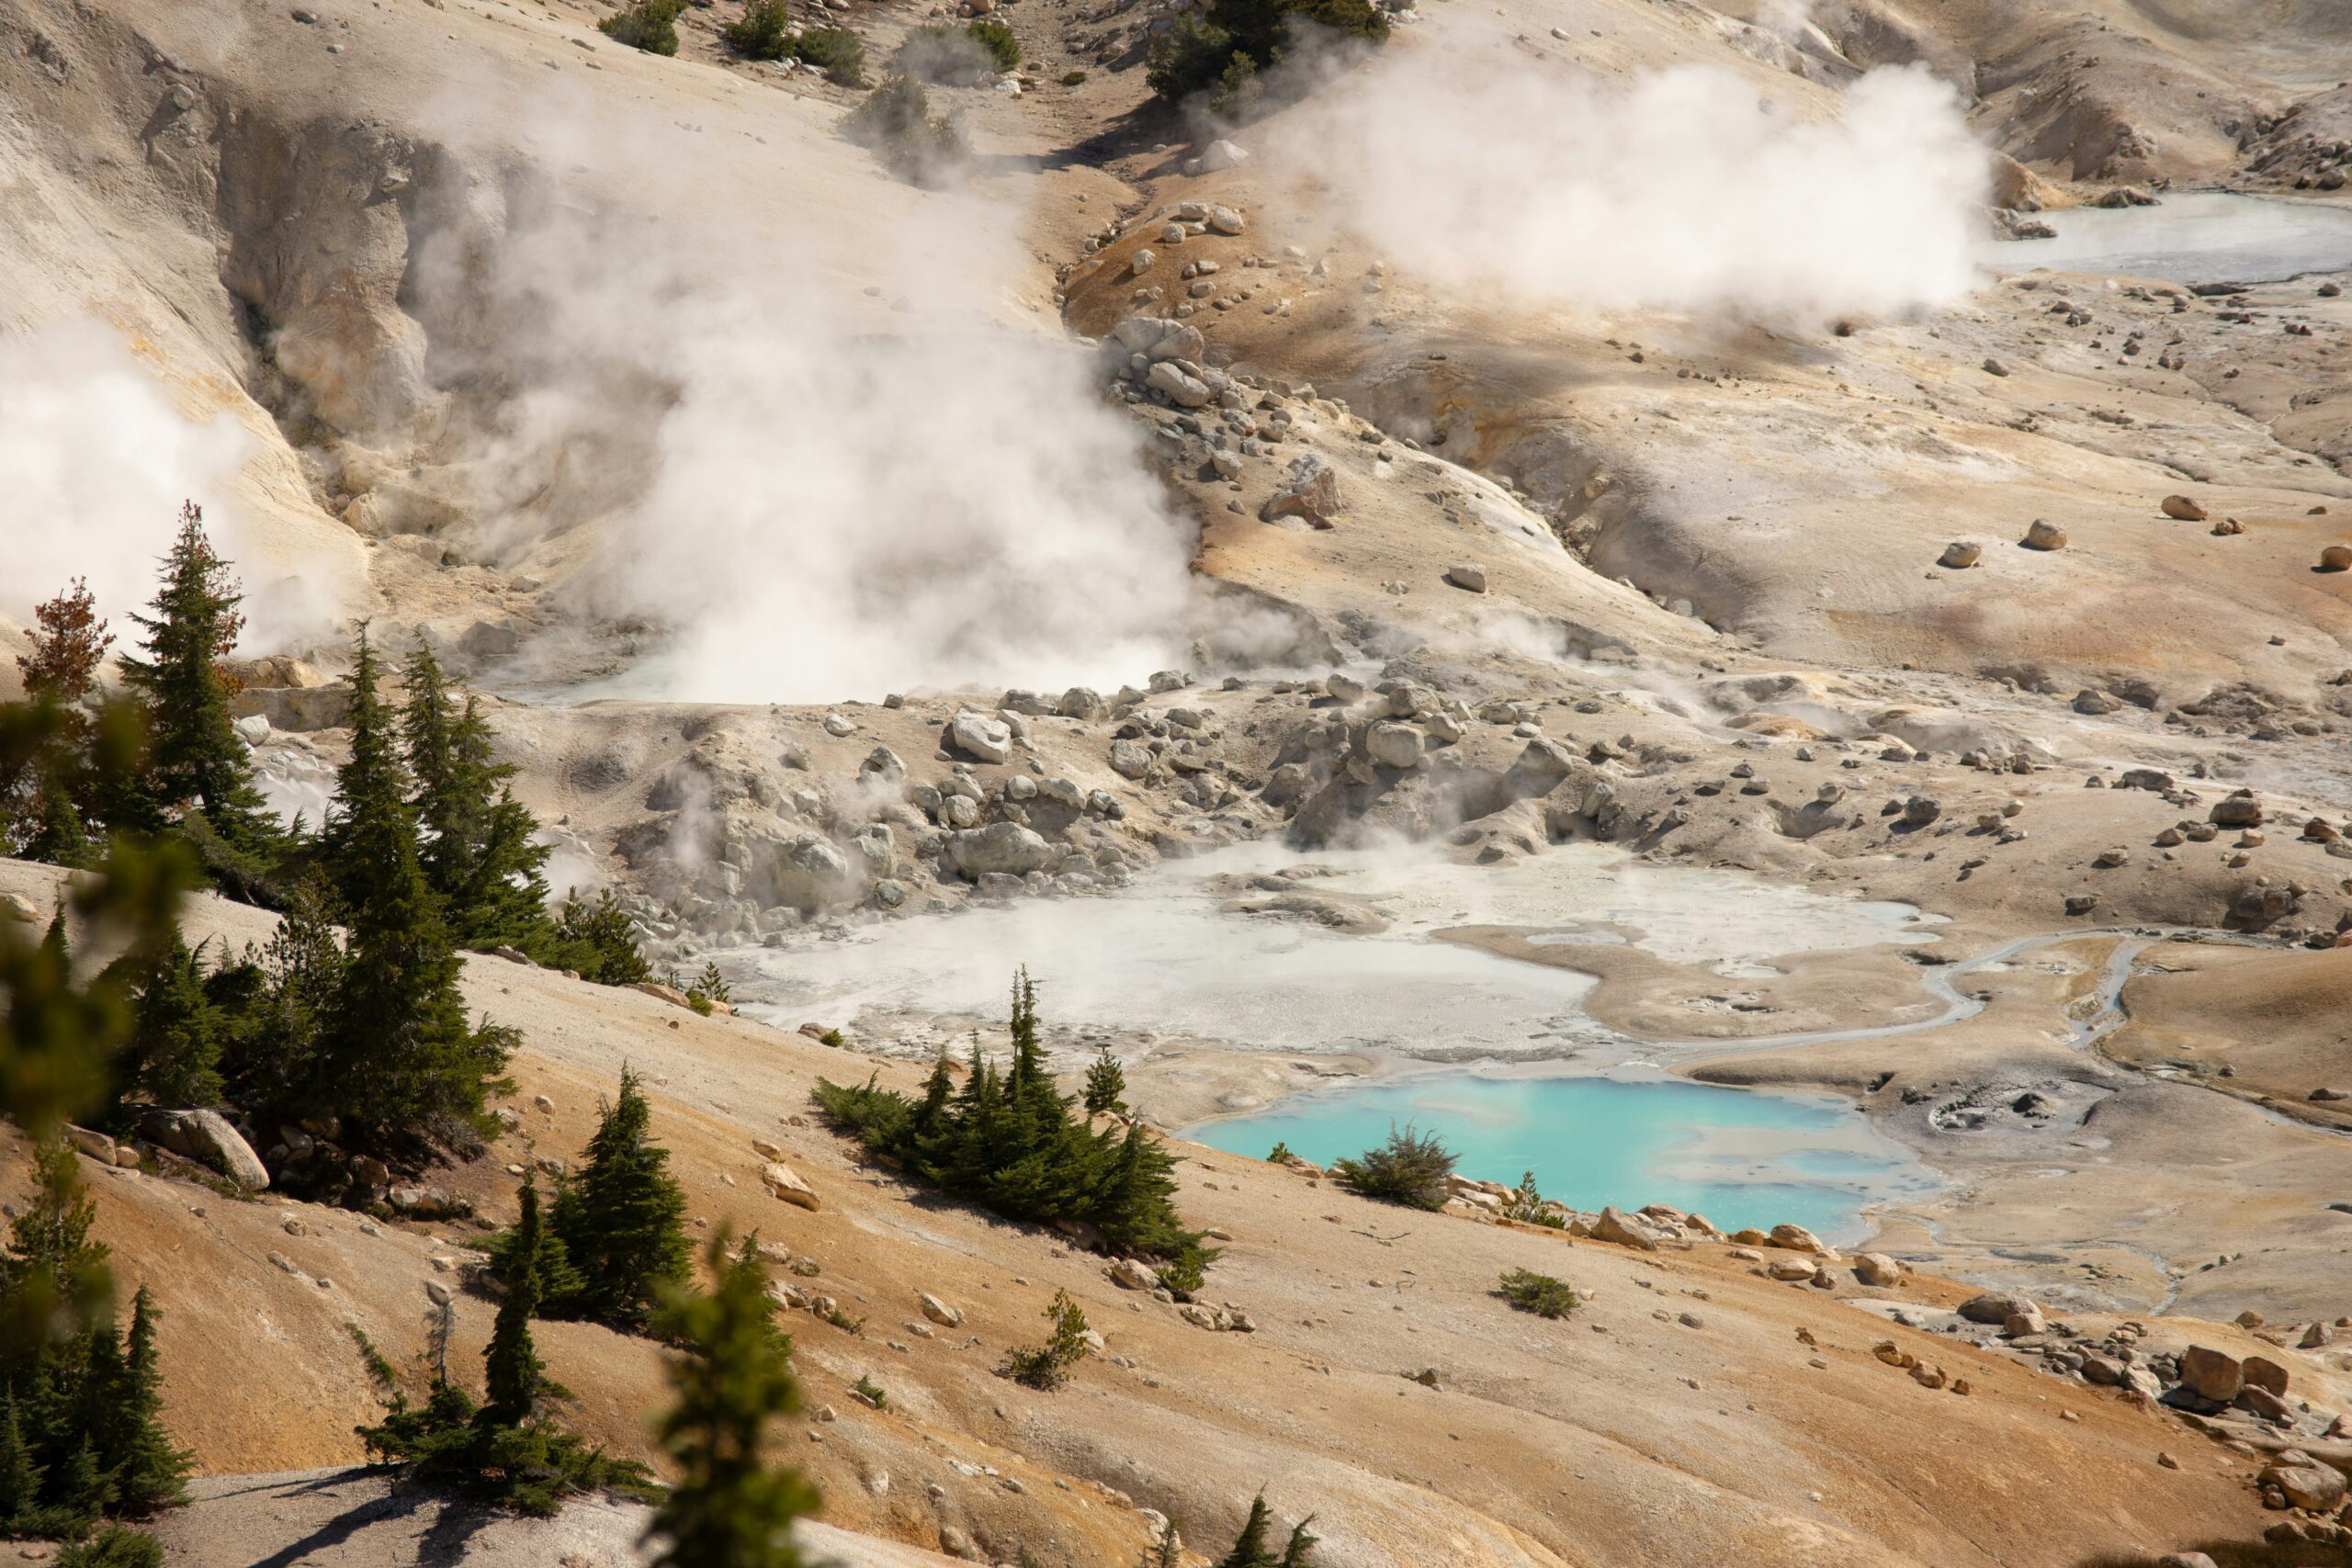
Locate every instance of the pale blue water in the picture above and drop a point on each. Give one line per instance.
(1739, 1157)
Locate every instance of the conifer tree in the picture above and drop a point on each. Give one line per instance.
(479, 851)
(47, 800)
(1300, 1544)
(595, 940)
(511, 1364)
(150, 1471)
(19, 1476)
(68, 644)
(174, 1049)
(271, 1061)
(53, 1270)
(1106, 1084)
(622, 1218)
(78, 1487)
(731, 1507)
(398, 1053)
(1250, 1548)
(198, 766)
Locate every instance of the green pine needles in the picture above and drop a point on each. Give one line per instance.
(1539, 1293)
(615, 1240)
(80, 1403)
(1047, 1366)
(1011, 1141)
(732, 1505)
(1250, 1549)
(397, 1061)
(199, 772)
(1411, 1169)
(507, 1451)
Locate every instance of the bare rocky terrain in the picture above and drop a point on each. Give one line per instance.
(1151, 491)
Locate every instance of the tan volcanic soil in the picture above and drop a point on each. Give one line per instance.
(1528, 1452)
(2275, 1022)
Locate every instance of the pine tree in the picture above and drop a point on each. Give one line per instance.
(52, 1271)
(1300, 1544)
(149, 1472)
(1106, 1084)
(79, 1486)
(511, 1364)
(19, 1476)
(68, 644)
(271, 1060)
(622, 1218)
(48, 801)
(174, 1050)
(481, 853)
(198, 764)
(1249, 1550)
(595, 940)
(398, 1051)
(730, 1507)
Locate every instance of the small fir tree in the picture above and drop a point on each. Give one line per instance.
(478, 842)
(1106, 1086)
(732, 1507)
(597, 941)
(1250, 1548)
(511, 1364)
(622, 1218)
(399, 1059)
(174, 1051)
(197, 765)
(1047, 1366)
(68, 645)
(149, 1470)
(47, 803)
(53, 1272)
(19, 1476)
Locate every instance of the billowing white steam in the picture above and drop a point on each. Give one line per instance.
(95, 462)
(1679, 191)
(811, 494)
(838, 515)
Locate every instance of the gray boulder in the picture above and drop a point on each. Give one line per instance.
(978, 736)
(1005, 849)
(1310, 490)
(206, 1137)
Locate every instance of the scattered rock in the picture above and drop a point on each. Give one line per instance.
(206, 1137)
(1877, 1269)
(2335, 558)
(1463, 574)
(2181, 509)
(939, 1312)
(2238, 811)
(1310, 490)
(1960, 554)
(980, 737)
(1005, 849)
(2045, 534)
(1611, 1225)
(784, 1182)
(2211, 1374)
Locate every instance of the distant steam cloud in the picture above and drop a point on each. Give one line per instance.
(812, 494)
(95, 462)
(1679, 191)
